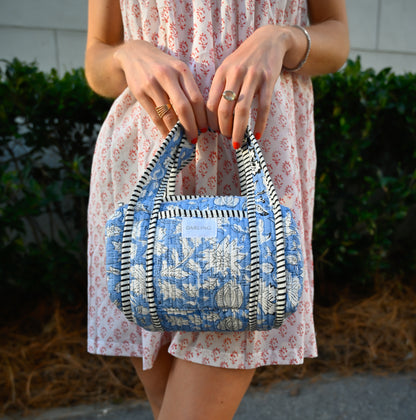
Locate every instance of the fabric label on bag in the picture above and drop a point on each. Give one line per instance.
(195, 227)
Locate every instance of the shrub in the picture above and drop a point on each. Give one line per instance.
(48, 126)
(366, 178)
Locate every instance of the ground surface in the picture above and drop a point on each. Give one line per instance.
(44, 364)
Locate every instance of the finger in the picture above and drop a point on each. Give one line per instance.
(169, 118)
(265, 95)
(150, 107)
(226, 109)
(214, 98)
(242, 113)
(234, 80)
(226, 106)
(172, 85)
(252, 81)
(151, 98)
(196, 100)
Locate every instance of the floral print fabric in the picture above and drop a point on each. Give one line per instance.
(202, 33)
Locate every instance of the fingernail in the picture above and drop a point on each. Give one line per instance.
(195, 140)
(204, 130)
(236, 145)
(257, 136)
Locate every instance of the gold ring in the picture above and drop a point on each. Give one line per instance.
(162, 110)
(229, 95)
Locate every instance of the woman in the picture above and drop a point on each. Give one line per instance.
(216, 66)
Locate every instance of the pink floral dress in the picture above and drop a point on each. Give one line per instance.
(202, 33)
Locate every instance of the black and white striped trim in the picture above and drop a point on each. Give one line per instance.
(242, 171)
(244, 163)
(151, 233)
(280, 243)
(150, 290)
(173, 198)
(175, 213)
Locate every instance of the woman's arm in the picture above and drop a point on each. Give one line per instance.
(329, 39)
(154, 78)
(253, 69)
(105, 35)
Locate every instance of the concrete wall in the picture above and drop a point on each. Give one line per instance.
(53, 32)
(383, 33)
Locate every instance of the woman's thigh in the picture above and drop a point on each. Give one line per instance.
(154, 380)
(195, 391)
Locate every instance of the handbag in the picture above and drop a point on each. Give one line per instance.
(204, 263)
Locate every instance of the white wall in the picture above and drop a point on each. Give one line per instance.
(383, 33)
(53, 32)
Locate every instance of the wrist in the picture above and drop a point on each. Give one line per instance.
(119, 54)
(299, 48)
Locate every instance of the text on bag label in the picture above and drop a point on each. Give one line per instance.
(195, 227)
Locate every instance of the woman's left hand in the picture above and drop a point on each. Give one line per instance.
(251, 70)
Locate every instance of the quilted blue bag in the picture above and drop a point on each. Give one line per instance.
(204, 263)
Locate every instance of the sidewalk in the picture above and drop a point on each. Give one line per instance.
(360, 397)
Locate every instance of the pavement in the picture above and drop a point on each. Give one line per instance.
(358, 397)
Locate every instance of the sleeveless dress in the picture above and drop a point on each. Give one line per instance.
(202, 33)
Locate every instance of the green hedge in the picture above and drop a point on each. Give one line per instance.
(365, 198)
(365, 207)
(48, 125)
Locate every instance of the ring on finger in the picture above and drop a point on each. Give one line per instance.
(162, 110)
(229, 95)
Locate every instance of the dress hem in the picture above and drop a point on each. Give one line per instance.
(212, 358)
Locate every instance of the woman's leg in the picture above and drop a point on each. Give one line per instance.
(198, 392)
(154, 380)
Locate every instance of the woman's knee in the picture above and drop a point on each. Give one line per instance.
(196, 391)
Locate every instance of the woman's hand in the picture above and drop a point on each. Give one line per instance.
(251, 70)
(156, 78)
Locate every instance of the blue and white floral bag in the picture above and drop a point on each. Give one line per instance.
(195, 263)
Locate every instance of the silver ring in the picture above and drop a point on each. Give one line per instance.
(229, 95)
(162, 110)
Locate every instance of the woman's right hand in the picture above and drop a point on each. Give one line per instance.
(156, 78)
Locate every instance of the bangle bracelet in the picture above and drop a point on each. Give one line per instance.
(308, 50)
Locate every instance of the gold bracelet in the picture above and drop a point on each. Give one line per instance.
(308, 50)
